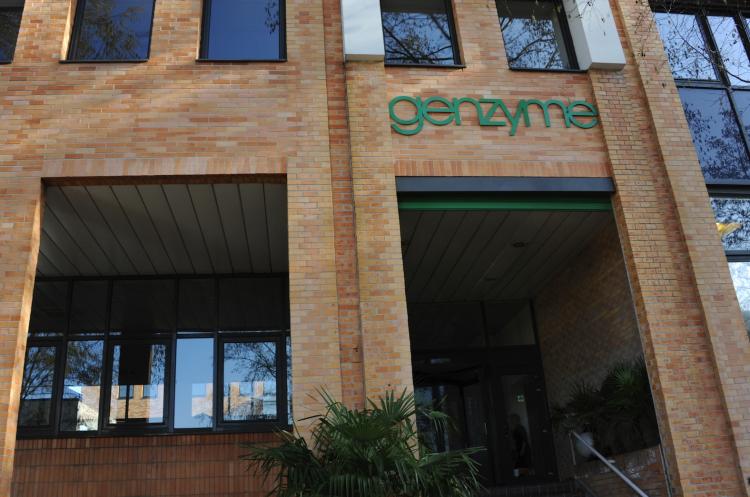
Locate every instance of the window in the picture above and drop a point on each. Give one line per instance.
(733, 222)
(161, 351)
(535, 34)
(10, 22)
(419, 32)
(111, 30)
(243, 30)
(708, 55)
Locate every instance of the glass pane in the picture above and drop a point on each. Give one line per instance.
(88, 309)
(249, 381)
(10, 21)
(742, 101)
(36, 387)
(732, 51)
(716, 134)
(740, 272)
(114, 30)
(137, 366)
(733, 222)
(197, 305)
(48, 309)
(252, 304)
(243, 30)
(417, 32)
(194, 383)
(83, 373)
(522, 406)
(509, 323)
(143, 306)
(446, 326)
(685, 46)
(532, 34)
(289, 410)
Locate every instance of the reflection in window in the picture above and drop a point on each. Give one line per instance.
(716, 134)
(733, 222)
(36, 387)
(249, 381)
(418, 32)
(740, 272)
(135, 365)
(10, 21)
(112, 30)
(193, 404)
(242, 30)
(83, 372)
(532, 34)
(742, 103)
(685, 46)
(731, 49)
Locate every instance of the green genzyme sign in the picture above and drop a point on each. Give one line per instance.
(410, 117)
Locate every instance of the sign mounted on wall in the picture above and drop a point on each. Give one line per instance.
(409, 117)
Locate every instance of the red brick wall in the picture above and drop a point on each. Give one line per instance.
(586, 324)
(157, 466)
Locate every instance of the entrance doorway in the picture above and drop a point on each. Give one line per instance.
(494, 394)
(491, 300)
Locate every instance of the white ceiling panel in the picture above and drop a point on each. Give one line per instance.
(165, 229)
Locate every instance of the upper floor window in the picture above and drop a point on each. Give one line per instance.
(10, 21)
(708, 55)
(535, 34)
(111, 30)
(243, 30)
(419, 32)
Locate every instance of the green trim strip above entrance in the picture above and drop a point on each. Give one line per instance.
(587, 203)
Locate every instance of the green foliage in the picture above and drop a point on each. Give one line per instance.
(620, 412)
(374, 452)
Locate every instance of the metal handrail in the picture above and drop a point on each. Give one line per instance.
(611, 466)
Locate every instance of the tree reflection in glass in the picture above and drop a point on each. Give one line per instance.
(731, 49)
(114, 30)
(715, 133)
(83, 372)
(532, 34)
(740, 272)
(10, 22)
(685, 46)
(36, 387)
(417, 32)
(249, 381)
(242, 30)
(138, 367)
(733, 216)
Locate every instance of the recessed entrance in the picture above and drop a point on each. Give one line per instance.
(498, 322)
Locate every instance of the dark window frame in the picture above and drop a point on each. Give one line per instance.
(569, 47)
(457, 56)
(278, 335)
(20, 20)
(723, 82)
(206, 33)
(75, 36)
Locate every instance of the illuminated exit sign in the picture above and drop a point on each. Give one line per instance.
(410, 113)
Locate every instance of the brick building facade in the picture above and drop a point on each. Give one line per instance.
(317, 120)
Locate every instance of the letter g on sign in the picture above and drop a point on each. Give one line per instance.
(418, 118)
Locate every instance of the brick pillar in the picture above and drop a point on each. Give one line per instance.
(693, 334)
(20, 224)
(385, 329)
(353, 389)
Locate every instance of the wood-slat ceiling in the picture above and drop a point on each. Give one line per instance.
(128, 230)
(489, 255)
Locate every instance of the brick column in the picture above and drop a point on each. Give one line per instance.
(692, 330)
(385, 329)
(20, 224)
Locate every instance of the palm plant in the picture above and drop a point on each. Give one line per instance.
(372, 452)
